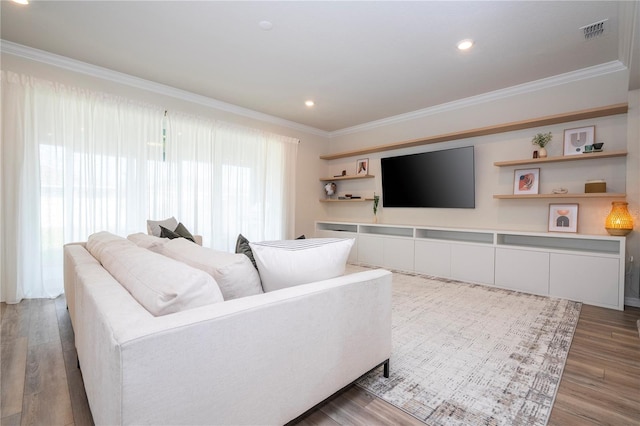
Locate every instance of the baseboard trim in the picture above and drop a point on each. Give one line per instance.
(632, 301)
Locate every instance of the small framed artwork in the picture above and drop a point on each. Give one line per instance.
(576, 139)
(563, 218)
(362, 166)
(525, 181)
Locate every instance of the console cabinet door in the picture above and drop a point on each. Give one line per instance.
(590, 279)
(371, 250)
(398, 254)
(433, 258)
(472, 263)
(523, 270)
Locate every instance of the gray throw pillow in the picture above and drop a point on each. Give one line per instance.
(184, 233)
(242, 246)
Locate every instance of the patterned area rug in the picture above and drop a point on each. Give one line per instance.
(466, 354)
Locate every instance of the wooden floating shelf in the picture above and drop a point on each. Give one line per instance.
(357, 200)
(538, 196)
(490, 130)
(328, 179)
(560, 159)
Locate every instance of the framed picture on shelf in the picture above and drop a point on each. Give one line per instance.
(576, 139)
(525, 181)
(563, 218)
(362, 166)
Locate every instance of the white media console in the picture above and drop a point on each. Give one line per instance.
(584, 268)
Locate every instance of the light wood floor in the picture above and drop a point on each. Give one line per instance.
(42, 386)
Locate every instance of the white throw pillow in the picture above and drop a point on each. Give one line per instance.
(153, 226)
(234, 273)
(293, 262)
(147, 241)
(162, 285)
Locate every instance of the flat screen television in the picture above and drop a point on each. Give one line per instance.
(444, 179)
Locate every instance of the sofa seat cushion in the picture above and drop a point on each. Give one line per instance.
(234, 273)
(162, 285)
(293, 262)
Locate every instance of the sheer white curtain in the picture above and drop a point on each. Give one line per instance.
(75, 162)
(257, 191)
(222, 180)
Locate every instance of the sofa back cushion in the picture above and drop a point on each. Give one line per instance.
(147, 241)
(293, 262)
(162, 285)
(100, 241)
(234, 273)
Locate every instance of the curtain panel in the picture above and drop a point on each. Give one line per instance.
(75, 162)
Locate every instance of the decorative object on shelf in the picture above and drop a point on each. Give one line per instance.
(596, 147)
(330, 189)
(619, 222)
(535, 154)
(526, 181)
(344, 173)
(576, 140)
(376, 200)
(542, 139)
(560, 191)
(563, 217)
(595, 186)
(362, 166)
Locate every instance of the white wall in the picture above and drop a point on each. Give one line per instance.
(616, 132)
(310, 148)
(633, 196)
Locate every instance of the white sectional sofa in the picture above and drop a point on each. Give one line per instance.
(259, 359)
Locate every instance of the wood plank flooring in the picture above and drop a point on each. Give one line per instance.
(41, 385)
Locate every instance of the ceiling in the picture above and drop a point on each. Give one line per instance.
(359, 61)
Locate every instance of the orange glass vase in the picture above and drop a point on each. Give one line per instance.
(619, 222)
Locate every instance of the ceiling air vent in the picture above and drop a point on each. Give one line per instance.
(594, 30)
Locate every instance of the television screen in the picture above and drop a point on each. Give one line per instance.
(431, 179)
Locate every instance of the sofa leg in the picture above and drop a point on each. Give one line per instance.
(385, 373)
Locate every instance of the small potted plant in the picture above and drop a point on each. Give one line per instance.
(376, 200)
(542, 139)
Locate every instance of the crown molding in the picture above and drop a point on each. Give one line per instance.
(139, 83)
(64, 62)
(582, 74)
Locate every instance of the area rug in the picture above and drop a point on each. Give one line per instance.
(466, 354)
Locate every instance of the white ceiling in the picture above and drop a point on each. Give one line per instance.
(359, 61)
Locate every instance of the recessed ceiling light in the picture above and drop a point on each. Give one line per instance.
(309, 103)
(265, 25)
(21, 1)
(465, 44)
